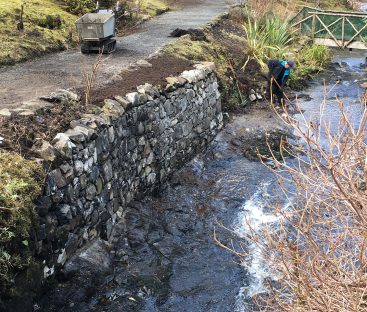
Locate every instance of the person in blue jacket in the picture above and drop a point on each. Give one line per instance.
(279, 71)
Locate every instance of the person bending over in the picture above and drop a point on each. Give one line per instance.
(279, 71)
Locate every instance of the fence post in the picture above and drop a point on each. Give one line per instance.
(313, 26)
(343, 32)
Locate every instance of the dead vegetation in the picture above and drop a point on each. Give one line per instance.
(317, 247)
(90, 77)
(320, 247)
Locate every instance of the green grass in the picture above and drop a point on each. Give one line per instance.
(21, 182)
(311, 60)
(153, 7)
(37, 38)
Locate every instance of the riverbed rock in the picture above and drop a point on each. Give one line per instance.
(92, 259)
(258, 143)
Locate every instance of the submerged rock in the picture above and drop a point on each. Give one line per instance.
(263, 143)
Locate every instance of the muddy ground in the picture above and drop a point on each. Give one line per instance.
(155, 73)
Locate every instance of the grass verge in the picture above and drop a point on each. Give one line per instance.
(47, 27)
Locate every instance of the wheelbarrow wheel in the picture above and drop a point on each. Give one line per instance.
(84, 48)
(109, 47)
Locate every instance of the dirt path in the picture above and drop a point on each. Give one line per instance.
(23, 84)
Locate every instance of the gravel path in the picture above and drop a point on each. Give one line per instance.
(23, 84)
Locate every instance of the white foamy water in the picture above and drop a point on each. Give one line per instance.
(253, 216)
(363, 6)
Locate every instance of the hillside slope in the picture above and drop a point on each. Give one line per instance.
(47, 27)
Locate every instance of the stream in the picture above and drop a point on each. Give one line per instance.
(163, 257)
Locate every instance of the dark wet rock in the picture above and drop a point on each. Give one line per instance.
(56, 179)
(107, 171)
(83, 275)
(43, 204)
(136, 238)
(344, 64)
(41, 235)
(90, 192)
(64, 214)
(262, 143)
(168, 247)
(195, 34)
(304, 97)
(93, 259)
(236, 142)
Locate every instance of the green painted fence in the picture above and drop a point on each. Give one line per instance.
(333, 28)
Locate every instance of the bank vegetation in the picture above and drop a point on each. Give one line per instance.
(20, 184)
(316, 252)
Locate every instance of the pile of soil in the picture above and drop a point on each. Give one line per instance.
(156, 74)
(20, 132)
(195, 34)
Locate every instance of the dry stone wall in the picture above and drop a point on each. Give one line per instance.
(129, 150)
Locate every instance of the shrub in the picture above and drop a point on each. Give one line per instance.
(311, 60)
(268, 41)
(79, 6)
(316, 55)
(317, 248)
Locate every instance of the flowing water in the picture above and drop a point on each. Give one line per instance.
(164, 256)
